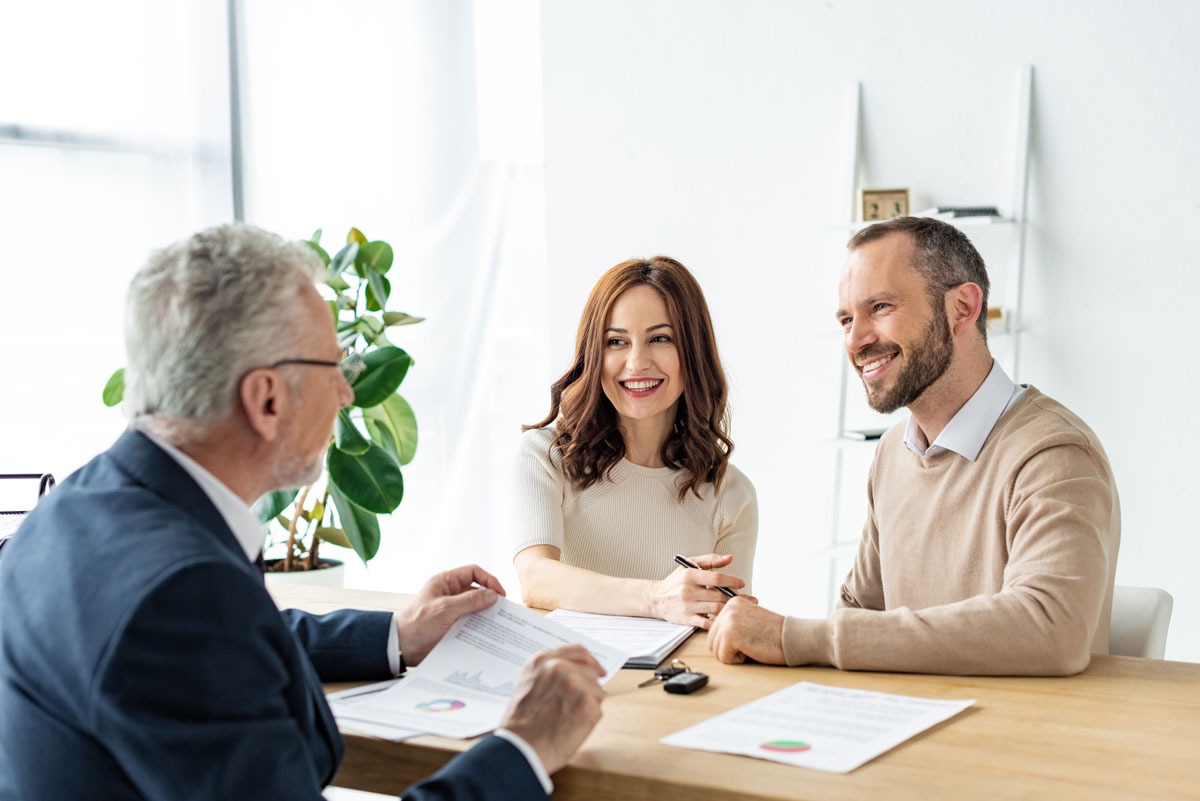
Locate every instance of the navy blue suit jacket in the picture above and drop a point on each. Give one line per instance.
(142, 658)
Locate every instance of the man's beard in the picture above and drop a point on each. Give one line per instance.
(924, 363)
(296, 470)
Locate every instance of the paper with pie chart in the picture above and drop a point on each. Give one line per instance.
(463, 686)
(834, 729)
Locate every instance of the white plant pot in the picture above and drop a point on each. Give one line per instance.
(332, 576)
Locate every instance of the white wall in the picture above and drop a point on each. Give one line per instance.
(715, 132)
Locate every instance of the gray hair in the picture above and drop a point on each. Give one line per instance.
(942, 254)
(203, 312)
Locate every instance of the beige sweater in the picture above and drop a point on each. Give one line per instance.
(1003, 565)
(632, 525)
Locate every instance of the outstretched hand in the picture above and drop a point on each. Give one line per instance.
(690, 596)
(443, 599)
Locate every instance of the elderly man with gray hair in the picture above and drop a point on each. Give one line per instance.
(140, 649)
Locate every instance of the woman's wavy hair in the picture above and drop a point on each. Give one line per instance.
(587, 437)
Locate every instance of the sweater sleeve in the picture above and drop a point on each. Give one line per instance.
(737, 532)
(1061, 533)
(863, 587)
(539, 490)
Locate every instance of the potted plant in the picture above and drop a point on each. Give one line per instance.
(373, 437)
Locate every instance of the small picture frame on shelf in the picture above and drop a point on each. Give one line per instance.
(881, 204)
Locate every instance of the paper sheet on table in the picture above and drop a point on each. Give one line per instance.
(343, 702)
(815, 726)
(463, 686)
(647, 640)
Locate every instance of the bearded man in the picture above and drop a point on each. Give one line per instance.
(993, 524)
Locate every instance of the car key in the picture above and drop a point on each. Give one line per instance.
(685, 683)
(664, 673)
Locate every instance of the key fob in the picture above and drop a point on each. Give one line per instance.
(685, 683)
(664, 673)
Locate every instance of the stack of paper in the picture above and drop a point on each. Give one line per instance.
(814, 726)
(649, 639)
(462, 688)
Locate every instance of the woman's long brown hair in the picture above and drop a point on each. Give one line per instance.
(587, 437)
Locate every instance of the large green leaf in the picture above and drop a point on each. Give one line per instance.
(371, 479)
(378, 289)
(334, 536)
(393, 425)
(347, 437)
(372, 330)
(375, 256)
(273, 503)
(114, 390)
(344, 258)
(361, 527)
(400, 318)
(384, 369)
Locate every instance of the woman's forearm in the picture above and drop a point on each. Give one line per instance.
(549, 584)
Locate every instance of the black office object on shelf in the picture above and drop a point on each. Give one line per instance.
(10, 520)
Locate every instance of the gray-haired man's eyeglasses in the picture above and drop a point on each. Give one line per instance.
(351, 365)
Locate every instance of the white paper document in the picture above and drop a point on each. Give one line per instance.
(814, 726)
(343, 703)
(647, 640)
(462, 688)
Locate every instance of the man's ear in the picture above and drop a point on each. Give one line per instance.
(965, 306)
(264, 401)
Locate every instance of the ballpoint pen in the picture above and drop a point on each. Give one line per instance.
(683, 560)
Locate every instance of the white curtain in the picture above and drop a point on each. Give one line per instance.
(114, 132)
(420, 123)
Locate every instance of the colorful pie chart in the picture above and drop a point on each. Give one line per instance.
(785, 746)
(441, 705)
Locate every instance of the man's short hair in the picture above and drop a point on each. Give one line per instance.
(941, 253)
(203, 312)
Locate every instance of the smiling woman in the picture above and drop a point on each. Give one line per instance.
(631, 465)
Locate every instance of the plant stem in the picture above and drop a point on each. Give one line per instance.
(289, 559)
(316, 541)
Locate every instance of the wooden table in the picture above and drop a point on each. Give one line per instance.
(1125, 728)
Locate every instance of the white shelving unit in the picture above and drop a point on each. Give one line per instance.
(1013, 228)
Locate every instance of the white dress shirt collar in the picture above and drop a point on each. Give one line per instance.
(969, 428)
(249, 532)
(245, 526)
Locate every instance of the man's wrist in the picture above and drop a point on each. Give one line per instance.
(805, 641)
(531, 756)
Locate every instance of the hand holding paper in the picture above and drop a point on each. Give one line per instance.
(464, 685)
(441, 601)
(556, 703)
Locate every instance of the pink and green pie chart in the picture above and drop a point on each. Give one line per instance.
(441, 705)
(785, 746)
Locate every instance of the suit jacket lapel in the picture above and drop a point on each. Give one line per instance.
(150, 466)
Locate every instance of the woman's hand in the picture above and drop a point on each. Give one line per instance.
(690, 596)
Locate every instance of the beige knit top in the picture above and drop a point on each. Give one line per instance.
(633, 523)
(1004, 565)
